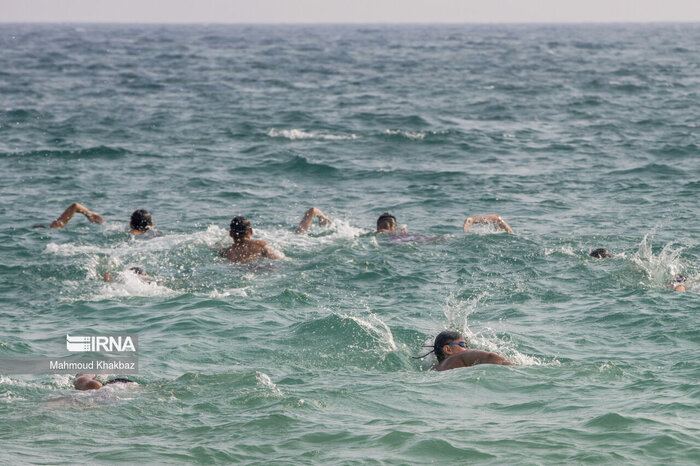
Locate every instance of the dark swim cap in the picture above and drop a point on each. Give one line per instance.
(141, 220)
(600, 253)
(118, 380)
(240, 226)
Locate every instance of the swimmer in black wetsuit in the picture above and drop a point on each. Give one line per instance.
(88, 382)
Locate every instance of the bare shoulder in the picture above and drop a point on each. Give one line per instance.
(472, 358)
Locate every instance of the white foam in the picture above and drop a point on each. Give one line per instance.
(229, 292)
(566, 250)
(457, 313)
(485, 229)
(68, 249)
(285, 238)
(297, 134)
(128, 283)
(5, 380)
(266, 382)
(406, 134)
(661, 268)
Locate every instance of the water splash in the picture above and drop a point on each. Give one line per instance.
(457, 313)
(266, 382)
(661, 268)
(297, 134)
(376, 328)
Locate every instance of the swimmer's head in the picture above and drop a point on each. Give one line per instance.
(678, 282)
(240, 228)
(386, 222)
(679, 279)
(600, 253)
(141, 220)
(445, 338)
(138, 271)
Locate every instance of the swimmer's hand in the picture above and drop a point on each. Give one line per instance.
(492, 219)
(308, 219)
(94, 217)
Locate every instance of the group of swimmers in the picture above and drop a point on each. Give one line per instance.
(450, 348)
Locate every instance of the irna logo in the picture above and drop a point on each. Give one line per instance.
(101, 343)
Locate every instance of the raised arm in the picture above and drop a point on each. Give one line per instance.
(493, 219)
(65, 217)
(308, 219)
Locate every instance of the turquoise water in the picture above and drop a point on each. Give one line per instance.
(579, 136)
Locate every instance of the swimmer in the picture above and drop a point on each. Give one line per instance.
(452, 352)
(244, 249)
(678, 282)
(600, 253)
(88, 382)
(139, 224)
(308, 219)
(491, 219)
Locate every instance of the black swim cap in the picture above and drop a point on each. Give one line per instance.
(118, 380)
(600, 253)
(240, 226)
(141, 220)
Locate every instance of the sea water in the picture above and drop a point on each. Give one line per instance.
(579, 136)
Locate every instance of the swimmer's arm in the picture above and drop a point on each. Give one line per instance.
(491, 218)
(472, 358)
(65, 217)
(308, 219)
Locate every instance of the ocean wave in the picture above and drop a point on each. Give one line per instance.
(406, 134)
(654, 169)
(297, 134)
(419, 135)
(91, 152)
